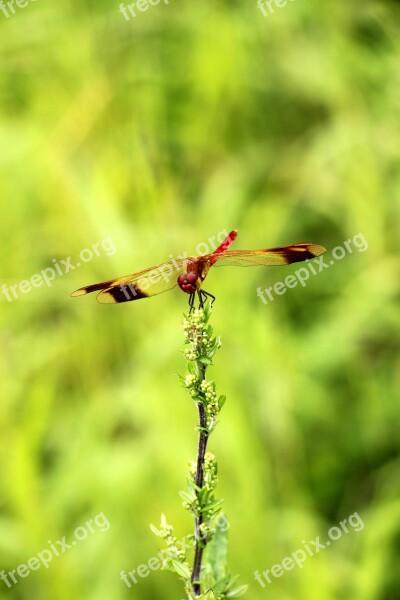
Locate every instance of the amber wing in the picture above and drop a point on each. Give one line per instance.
(284, 255)
(147, 283)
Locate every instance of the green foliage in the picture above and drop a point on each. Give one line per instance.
(200, 500)
(216, 577)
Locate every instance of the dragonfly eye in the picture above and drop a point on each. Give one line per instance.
(187, 282)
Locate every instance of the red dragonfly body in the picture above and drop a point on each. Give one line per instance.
(189, 273)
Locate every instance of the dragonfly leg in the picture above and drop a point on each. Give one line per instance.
(203, 295)
(201, 299)
(191, 302)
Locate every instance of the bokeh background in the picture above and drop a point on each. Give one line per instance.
(159, 132)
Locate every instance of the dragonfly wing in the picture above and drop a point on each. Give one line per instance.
(270, 257)
(147, 283)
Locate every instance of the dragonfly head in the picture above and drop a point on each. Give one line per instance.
(188, 282)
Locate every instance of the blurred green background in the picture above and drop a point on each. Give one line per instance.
(157, 133)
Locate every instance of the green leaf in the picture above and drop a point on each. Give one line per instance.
(214, 345)
(193, 487)
(163, 520)
(188, 497)
(202, 429)
(191, 367)
(212, 505)
(217, 554)
(237, 592)
(198, 369)
(205, 361)
(221, 401)
(181, 569)
(221, 585)
(155, 530)
(203, 496)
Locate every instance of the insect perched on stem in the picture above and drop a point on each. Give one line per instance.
(189, 273)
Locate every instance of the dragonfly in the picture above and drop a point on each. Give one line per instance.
(189, 273)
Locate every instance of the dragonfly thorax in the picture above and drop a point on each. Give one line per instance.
(188, 282)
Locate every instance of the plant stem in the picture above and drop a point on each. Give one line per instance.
(201, 451)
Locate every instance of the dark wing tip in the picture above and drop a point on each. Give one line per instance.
(300, 252)
(305, 251)
(88, 289)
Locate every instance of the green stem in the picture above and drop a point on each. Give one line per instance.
(201, 452)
